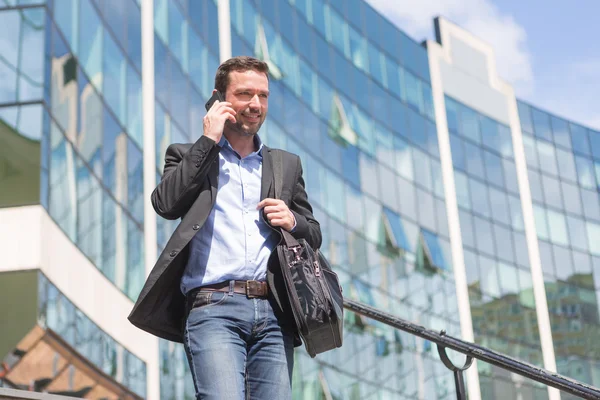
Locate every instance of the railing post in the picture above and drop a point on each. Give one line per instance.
(459, 379)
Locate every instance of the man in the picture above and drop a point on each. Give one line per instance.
(209, 287)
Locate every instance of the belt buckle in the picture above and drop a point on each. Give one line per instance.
(255, 285)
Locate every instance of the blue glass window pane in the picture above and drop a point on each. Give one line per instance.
(426, 209)
(212, 26)
(250, 21)
(428, 109)
(458, 154)
(384, 150)
(318, 13)
(67, 19)
(541, 124)
(500, 207)
(579, 139)
(504, 141)
(161, 19)
(161, 71)
(560, 130)
(479, 198)
(552, 192)
(572, 197)
(591, 204)
(566, 164)
(535, 185)
(358, 49)
(484, 236)
(350, 165)
(577, 233)
(530, 151)
(510, 176)
(407, 200)
(594, 137)
(525, 117)
(114, 12)
(469, 124)
(179, 106)
(462, 190)
(287, 20)
(376, 68)
(466, 228)
(135, 181)
(593, 233)
(493, 168)
(474, 160)
(452, 115)
(547, 157)
(114, 78)
(404, 163)
(134, 34)
(305, 38)
(414, 91)
(178, 35)
(134, 106)
(198, 61)
(91, 33)
(585, 172)
(504, 244)
(380, 101)
(422, 169)
(557, 228)
(323, 58)
(337, 31)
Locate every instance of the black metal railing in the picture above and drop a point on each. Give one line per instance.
(474, 351)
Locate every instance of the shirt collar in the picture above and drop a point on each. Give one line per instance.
(224, 143)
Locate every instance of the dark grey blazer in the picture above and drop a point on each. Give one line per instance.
(188, 190)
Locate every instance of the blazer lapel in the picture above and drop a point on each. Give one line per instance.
(267, 173)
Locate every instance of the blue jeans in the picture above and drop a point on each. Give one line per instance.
(236, 349)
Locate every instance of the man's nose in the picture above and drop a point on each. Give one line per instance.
(255, 101)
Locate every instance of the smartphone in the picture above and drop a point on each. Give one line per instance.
(216, 96)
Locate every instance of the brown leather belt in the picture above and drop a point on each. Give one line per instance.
(252, 289)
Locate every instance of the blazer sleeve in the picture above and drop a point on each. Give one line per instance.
(183, 175)
(307, 227)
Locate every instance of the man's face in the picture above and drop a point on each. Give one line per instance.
(248, 93)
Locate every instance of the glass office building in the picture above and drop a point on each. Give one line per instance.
(442, 198)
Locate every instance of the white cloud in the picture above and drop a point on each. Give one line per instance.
(481, 18)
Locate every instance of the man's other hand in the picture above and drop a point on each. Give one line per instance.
(278, 213)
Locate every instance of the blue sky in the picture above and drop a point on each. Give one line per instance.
(548, 50)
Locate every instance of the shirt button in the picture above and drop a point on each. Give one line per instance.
(196, 227)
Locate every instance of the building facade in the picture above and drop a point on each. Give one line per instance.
(442, 198)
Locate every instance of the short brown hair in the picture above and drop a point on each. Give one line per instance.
(240, 64)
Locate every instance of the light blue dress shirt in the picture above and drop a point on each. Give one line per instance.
(235, 242)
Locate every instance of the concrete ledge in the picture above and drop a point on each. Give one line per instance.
(12, 394)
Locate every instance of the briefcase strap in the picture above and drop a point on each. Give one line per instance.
(290, 241)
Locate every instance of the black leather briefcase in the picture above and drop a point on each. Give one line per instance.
(314, 294)
(312, 288)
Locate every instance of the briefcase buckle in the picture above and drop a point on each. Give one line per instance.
(297, 251)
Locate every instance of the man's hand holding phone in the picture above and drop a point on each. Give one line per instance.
(219, 111)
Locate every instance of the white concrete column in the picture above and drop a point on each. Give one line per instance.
(150, 241)
(435, 54)
(537, 277)
(224, 30)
